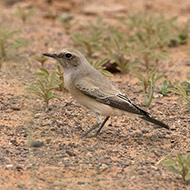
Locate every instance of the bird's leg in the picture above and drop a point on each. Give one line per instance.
(104, 122)
(94, 127)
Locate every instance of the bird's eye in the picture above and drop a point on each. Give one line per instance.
(68, 55)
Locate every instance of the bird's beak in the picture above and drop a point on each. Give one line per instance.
(53, 55)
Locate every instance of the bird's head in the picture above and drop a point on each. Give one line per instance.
(68, 58)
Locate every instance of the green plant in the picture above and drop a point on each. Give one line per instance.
(59, 72)
(41, 59)
(152, 37)
(152, 30)
(99, 65)
(52, 16)
(9, 41)
(182, 34)
(150, 56)
(24, 14)
(119, 48)
(183, 90)
(46, 43)
(148, 83)
(47, 82)
(92, 41)
(66, 21)
(164, 87)
(179, 165)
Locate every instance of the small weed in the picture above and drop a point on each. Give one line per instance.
(179, 165)
(41, 59)
(59, 72)
(164, 87)
(52, 16)
(148, 83)
(182, 35)
(146, 41)
(99, 65)
(9, 41)
(24, 14)
(66, 21)
(154, 31)
(152, 36)
(46, 43)
(92, 41)
(183, 90)
(119, 49)
(46, 83)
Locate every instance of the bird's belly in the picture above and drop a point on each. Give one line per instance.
(98, 107)
(92, 104)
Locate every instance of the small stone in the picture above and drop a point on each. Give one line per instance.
(138, 134)
(167, 136)
(16, 107)
(68, 104)
(141, 173)
(22, 186)
(37, 115)
(19, 168)
(14, 142)
(48, 141)
(36, 144)
(145, 131)
(70, 153)
(139, 143)
(9, 165)
(133, 177)
(81, 183)
(103, 168)
(89, 154)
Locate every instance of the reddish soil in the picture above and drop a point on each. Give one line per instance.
(43, 150)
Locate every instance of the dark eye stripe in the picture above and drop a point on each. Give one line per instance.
(60, 55)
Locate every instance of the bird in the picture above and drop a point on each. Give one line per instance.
(91, 89)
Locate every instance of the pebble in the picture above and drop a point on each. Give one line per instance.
(145, 131)
(16, 107)
(139, 143)
(70, 153)
(19, 168)
(22, 186)
(81, 182)
(103, 168)
(36, 144)
(14, 142)
(9, 165)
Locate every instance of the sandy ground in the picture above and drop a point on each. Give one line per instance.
(43, 150)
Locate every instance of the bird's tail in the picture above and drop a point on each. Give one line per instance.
(155, 121)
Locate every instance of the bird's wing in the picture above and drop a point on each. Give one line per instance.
(111, 97)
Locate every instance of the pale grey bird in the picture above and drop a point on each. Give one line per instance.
(91, 89)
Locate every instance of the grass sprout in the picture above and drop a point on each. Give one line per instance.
(24, 14)
(42, 59)
(66, 21)
(164, 87)
(99, 65)
(179, 165)
(9, 41)
(148, 83)
(183, 90)
(46, 83)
